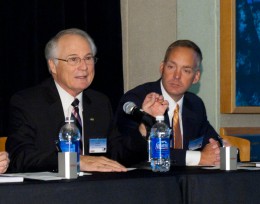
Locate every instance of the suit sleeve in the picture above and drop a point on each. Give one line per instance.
(207, 130)
(133, 146)
(26, 154)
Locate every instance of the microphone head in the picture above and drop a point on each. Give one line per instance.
(128, 107)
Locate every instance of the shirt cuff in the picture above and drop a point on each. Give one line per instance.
(192, 158)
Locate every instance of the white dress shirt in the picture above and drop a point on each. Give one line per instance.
(67, 99)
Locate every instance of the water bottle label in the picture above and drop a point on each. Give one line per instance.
(67, 146)
(160, 148)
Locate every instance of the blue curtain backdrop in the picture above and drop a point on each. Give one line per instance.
(26, 26)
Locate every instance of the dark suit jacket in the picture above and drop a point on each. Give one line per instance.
(36, 116)
(194, 119)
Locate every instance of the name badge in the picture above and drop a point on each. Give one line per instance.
(195, 144)
(98, 145)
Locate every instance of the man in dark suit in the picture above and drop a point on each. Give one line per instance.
(38, 113)
(179, 70)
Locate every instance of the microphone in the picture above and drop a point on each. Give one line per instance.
(139, 114)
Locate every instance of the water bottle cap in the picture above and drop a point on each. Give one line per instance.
(159, 117)
(69, 120)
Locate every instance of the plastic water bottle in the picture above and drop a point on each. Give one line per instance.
(160, 146)
(69, 138)
(149, 149)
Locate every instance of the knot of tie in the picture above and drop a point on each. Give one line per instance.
(75, 103)
(75, 113)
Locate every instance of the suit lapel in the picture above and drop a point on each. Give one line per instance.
(188, 122)
(56, 114)
(88, 120)
(55, 111)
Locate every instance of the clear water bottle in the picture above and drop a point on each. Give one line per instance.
(160, 146)
(69, 138)
(149, 148)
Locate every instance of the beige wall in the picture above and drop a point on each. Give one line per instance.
(149, 26)
(198, 21)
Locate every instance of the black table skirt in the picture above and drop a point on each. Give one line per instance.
(180, 185)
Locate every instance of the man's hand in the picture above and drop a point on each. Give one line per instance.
(154, 104)
(100, 163)
(4, 162)
(210, 155)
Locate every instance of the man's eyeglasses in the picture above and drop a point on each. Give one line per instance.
(73, 61)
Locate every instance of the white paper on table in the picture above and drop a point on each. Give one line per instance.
(130, 169)
(44, 176)
(248, 165)
(4, 178)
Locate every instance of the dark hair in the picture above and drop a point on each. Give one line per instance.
(184, 43)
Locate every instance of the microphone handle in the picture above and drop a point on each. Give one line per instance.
(137, 114)
(142, 117)
(148, 120)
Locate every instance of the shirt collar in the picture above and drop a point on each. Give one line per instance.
(67, 99)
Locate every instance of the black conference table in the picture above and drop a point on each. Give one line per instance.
(180, 185)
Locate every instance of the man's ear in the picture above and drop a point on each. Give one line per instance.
(161, 67)
(52, 66)
(197, 77)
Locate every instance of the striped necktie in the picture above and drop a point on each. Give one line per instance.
(75, 114)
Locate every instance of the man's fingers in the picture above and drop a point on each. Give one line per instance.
(95, 163)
